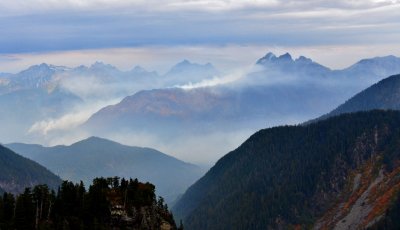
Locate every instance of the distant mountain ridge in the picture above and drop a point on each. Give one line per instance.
(75, 89)
(44, 75)
(95, 157)
(286, 63)
(187, 72)
(340, 173)
(383, 95)
(278, 90)
(17, 173)
(384, 66)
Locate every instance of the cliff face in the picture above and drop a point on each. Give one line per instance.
(370, 190)
(142, 218)
(133, 217)
(341, 173)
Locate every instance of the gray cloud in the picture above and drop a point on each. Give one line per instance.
(49, 25)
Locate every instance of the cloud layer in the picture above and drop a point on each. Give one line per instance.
(51, 25)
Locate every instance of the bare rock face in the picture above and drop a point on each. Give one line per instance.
(148, 217)
(143, 218)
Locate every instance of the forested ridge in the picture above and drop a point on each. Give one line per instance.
(109, 203)
(17, 172)
(290, 176)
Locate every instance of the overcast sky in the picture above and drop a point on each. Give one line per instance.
(169, 30)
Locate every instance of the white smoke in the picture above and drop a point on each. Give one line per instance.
(218, 80)
(70, 120)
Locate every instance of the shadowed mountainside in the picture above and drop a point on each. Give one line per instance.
(339, 173)
(17, 173)
(95, 157)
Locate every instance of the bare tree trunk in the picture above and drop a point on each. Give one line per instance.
(48, 214)
(41, 209)
(37, 215)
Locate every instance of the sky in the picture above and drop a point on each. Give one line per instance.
(157, 34)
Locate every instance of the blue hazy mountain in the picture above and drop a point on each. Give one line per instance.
(285, 63)
(187, 72)
(383, 95)
(280, 90)
(378, 66)
(46, 92)
(97, 157)
(17, 173)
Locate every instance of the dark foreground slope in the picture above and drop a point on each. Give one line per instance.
(17, 172)
(95, 157)
(342, 172)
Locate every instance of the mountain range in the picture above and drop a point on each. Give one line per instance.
(97, 157)
(44, 93)
(17, 173)
(339, 173)
(49, 104)
(279, 90)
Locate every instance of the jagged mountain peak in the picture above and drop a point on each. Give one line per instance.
(286, 63)
(186, 71)
(102, 65)
(138, 69)
(186, 64)
(268, 57)
(44, 67)
(286, 56)
(303, 59)
(271, 58)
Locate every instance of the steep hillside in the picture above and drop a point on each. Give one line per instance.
(342, 173)
(383, 95)
(17, 172)
(95, 157)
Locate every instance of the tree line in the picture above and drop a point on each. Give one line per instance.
(108, 203)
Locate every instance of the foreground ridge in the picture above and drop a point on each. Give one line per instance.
(340, 173)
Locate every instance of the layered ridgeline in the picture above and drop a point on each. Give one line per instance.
(383, 95)
(95, 157)
(109, 203)
(17, 173)
(341, 173)
(278, 90)
(46, 103)
(44, 93)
